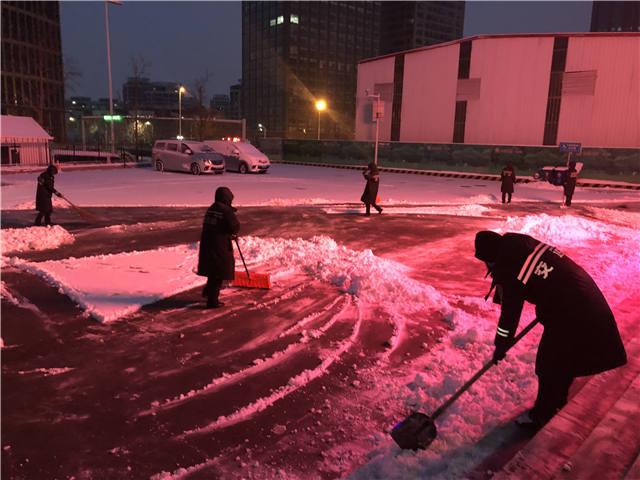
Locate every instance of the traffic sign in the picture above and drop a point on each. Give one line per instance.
(570, 147)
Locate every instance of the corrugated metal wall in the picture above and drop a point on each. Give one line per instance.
(609, 117)
(370, 74)
(514, 84)
(429, 95)
(30, 153)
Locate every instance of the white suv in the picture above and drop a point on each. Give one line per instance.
(186, 156)
(241, 156)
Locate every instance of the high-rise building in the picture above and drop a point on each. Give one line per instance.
(294, 53)
(615, 16)
(154, 97)
(235, 101)
(220, 104)
(407, 25)
(32, 73)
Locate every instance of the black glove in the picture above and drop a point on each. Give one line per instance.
(58, 193)
(502, 345)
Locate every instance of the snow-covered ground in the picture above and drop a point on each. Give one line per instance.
(283, 185)
(365, 283)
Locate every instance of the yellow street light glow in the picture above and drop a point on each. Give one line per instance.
(182, 89)
(321, 105)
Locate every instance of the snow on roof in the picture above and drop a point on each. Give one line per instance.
(20, 129)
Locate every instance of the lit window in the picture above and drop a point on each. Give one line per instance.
(294, 18)
(272, 22)
(280, 19)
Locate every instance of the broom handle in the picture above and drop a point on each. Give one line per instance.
(242, 257)
(480, 372)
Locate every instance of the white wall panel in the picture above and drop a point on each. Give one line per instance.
(610, 117)
(429, 95)
(514, 75)
(369, 74)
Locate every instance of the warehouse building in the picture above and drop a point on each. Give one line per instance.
(529, 90)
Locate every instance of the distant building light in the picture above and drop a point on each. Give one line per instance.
(72, 119)
(272, 22)
(112, 118)
(294, 18)
(280, 19)
(147, 123)
(73, 102)
(180, 137)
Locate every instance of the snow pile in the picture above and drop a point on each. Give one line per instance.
(458, 210)
(108, 287)
(30, 239)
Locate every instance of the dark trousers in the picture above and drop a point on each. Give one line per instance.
(553, 392)
(506, 196)
(567, 200)
(47, 218)
(212, 291)
(367, 207)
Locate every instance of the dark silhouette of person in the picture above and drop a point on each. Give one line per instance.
(580, 333)
(507, 181)
(215, 257)
(570, 183)
(44, 192)
(370, 194)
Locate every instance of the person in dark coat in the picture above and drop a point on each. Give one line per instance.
(44, 192)
(370, 194)
(580, 333)
(215, 257)
(570, 183)
(507, 180)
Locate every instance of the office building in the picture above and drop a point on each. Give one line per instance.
(159, 98)
(615, 16)
(32, 73)
(408, 25)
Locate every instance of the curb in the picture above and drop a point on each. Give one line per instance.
(476, 176)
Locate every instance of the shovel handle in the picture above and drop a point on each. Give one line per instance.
(242, 257)
(480, 372)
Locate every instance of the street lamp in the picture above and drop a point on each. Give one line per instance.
(262, 129)
(378, 113)
(321, 105)
(181, 92)
(106, 26)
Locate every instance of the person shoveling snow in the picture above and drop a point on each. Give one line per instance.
(44, 192)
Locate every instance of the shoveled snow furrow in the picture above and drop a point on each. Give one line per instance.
(294, 384)
(259, 365)
(298, 326)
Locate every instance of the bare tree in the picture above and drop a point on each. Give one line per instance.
(203, 113)
(139, 68)
(71, 73)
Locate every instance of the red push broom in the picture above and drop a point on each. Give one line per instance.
(254, 280)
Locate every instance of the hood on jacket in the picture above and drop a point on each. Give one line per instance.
(224, 196)
(488, 245)
(52, 170)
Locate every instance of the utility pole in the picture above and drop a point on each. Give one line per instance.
(106, 25)
(378, 113)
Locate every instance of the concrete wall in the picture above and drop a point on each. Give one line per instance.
(429, 95)
(370, 74)
(514, 86)
(610, 117)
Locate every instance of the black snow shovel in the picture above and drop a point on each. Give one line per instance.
(418, 430)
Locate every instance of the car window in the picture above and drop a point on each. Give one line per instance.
(172, 146)
(184, 147)
(160, 145)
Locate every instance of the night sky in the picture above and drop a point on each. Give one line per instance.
(182, 40)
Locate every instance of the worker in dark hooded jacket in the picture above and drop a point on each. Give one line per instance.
(580, 333)
(215, 259)
(370, 195)
(570, 181)
(44, 191)
(507, 180)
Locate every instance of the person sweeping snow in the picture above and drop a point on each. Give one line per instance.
(580, 335)
(370, 194)
(44, 192)
(215, 257)
(507, 180)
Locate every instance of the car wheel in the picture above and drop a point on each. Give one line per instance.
(195, 169)
(243, 168)
(159, 166)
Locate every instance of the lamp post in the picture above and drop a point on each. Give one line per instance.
(321, 105)
(263, 129)
(181, 91)
(378, 113)
(106, 25)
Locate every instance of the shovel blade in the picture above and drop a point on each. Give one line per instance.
(417, 431)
